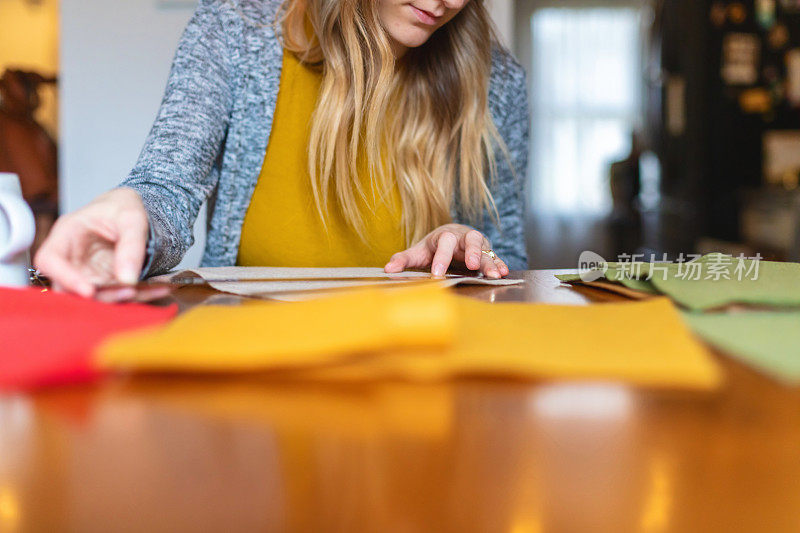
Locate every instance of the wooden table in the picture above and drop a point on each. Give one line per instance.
(181, 454)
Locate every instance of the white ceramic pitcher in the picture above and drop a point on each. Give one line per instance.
(17, 230)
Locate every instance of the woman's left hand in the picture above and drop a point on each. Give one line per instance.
(444, 245)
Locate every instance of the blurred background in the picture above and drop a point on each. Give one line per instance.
(659, 126)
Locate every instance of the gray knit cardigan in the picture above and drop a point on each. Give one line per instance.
(210, 136)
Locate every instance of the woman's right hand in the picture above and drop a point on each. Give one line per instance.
(103, 243)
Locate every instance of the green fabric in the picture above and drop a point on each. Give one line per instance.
(635, 284)
(776, 285)
(640, 285)
(712, 281)
(769, 341)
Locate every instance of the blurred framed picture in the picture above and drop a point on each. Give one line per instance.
(790, 6)
(782, 157)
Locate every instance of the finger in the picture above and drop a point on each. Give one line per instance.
(397, 263)
(489, 267)
(445, 248)
(149, 295)
(117, 295)
(502, 267)
(130, 250)
(64, 276)
(474, 243)
(414, 257)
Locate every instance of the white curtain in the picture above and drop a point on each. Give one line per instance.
(585, 99)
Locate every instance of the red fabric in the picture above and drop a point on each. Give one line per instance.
(47, 338)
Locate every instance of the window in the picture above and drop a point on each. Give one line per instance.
(585, 73)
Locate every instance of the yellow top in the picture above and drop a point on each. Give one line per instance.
(282, 226)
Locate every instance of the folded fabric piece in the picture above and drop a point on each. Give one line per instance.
(640, 285)
(47, 338)
(768, 284)
(768, 341)
(367, 336)
(292, 284)
(263, 335)
(713, 281)
(634, 289)
(718, 280)
(638, 343)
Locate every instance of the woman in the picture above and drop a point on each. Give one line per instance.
(323, 133)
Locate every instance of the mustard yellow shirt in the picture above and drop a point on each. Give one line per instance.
(282, 226)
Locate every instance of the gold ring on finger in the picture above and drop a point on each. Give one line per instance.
(490, 254)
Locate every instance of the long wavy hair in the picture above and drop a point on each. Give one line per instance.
(422, 120)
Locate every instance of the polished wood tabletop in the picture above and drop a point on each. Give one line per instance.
(247, 454)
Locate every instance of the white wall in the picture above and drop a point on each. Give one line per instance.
(503, 14)
(115, 58)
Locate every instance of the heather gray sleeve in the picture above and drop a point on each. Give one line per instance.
(175, 171)
(509, 101)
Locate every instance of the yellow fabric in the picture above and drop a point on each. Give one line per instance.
(524, 341)
(368, 335)
(282, 226)
(262, 335)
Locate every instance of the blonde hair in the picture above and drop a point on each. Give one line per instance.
(422, 120)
